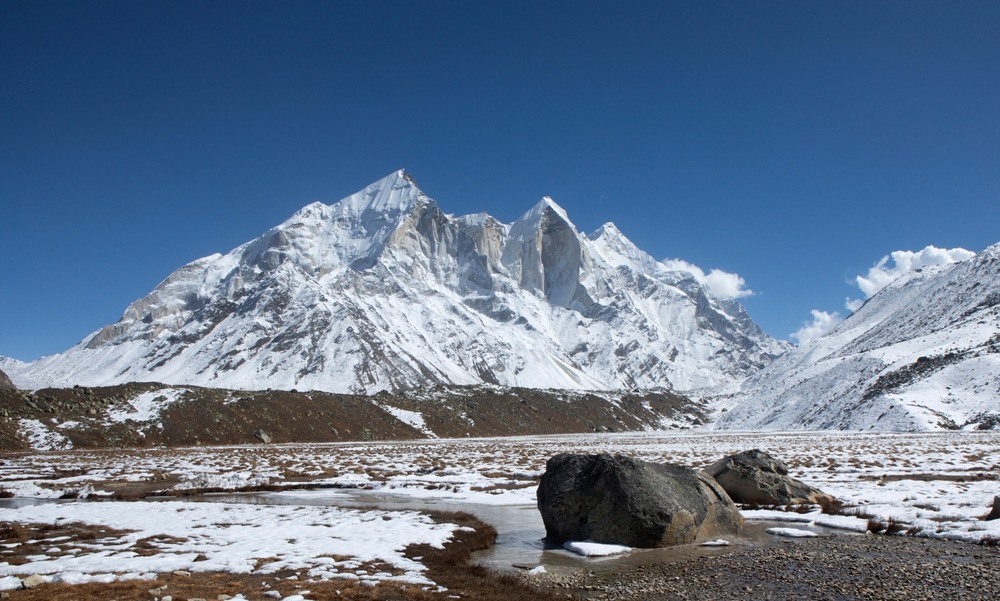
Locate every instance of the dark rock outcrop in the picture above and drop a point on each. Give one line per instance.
(5, 383)
(756, 477)
(620, 500)
(994, 513)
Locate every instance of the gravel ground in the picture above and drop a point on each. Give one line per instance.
(831, 568)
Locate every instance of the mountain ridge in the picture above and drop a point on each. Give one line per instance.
(921, 354)
(384, 291)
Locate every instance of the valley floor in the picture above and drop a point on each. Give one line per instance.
(930, 486)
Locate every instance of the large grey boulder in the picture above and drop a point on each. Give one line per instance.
(756, 477)
(621, 500)
(5, 383)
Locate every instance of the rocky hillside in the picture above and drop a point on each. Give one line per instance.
(385, 291)
(141, 415)
(5, 383)
(922, 354)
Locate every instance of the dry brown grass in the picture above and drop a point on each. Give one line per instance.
(831, 506)
(37, 539)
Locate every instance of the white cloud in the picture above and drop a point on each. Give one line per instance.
(887, 269)
(721, 284)
(905, 261)
(822, 323)
(853, 304)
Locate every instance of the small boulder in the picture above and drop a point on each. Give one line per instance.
(33, 581)
(994, 513)
(756, 477)
(620, 500)
(262, 436)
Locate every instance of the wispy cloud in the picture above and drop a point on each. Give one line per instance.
(880, 275)
(904, 261)
(721, 284)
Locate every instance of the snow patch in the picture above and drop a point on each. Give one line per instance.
(147, 406)
(814, 518)
(41, 438)
(791, 532)
(719, 542)
(592, 549)
(413, 419)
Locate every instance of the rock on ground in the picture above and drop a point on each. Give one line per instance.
(994, 513)
(621, 500)
(756, 477)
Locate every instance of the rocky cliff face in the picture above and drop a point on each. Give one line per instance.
(385, 291)
(922, 354)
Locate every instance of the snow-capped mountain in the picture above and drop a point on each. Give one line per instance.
(922, 354)
(384, 291)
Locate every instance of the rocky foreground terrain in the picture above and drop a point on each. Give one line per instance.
(147, 415)
(829, 568)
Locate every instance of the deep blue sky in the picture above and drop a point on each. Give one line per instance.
(794, 143)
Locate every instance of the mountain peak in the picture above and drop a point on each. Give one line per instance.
(392, 195)
(608, 229)
(535, 216)
(546, 203)
(395, 193)
(617, 249)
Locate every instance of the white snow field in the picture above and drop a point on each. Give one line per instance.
(233, 537)
(932, 484)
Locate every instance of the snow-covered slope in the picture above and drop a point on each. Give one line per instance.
(383, 290)
(922, 354)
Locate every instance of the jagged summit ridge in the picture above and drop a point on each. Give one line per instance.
(383, 290)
